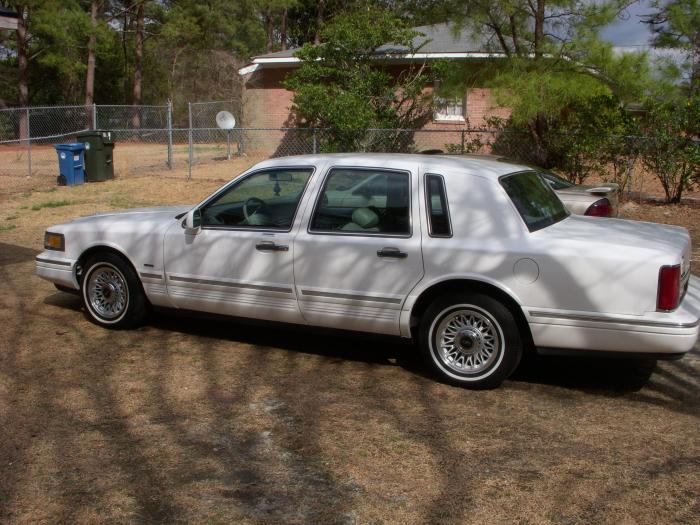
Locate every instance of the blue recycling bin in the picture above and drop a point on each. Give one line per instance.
(71, 164)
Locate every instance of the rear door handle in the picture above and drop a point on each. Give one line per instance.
(392, 252)
(269, 246)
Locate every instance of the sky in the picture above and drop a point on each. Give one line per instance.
(630, 31)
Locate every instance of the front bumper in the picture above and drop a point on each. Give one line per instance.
(653, 333)
(52, 266)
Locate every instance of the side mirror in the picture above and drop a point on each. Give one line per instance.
(192, 222)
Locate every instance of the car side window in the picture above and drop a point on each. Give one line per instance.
(438, 213)
(364, 201)
(268, 199)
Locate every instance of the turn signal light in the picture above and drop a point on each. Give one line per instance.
(54, 241)
(669, 293)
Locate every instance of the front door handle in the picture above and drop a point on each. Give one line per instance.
(392, 252)
(269, 246)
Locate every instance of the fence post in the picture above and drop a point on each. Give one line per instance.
(463, 142)
(94, 116)
(315, 144)
(29, 143)
(170, 135)
(189, 111)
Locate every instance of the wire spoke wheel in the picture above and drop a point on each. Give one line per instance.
(467, 340)
(107, 292)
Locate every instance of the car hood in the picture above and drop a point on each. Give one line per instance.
(138, 214)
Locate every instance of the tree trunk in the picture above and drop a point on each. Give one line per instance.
(539, 28)
(269, 30)
(138, 64)
(283, 29)
(125, 28)
(319, 20)
(90, 76)
(23, 70)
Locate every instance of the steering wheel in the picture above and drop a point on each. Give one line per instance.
(255, 204)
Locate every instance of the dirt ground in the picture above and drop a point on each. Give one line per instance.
(188, 420)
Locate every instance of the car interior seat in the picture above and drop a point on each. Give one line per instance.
(363, 220)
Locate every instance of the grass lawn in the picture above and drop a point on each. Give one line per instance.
(201, 421)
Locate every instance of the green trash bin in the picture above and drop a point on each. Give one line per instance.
(99, 154)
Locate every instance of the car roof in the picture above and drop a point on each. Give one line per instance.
(481, 166)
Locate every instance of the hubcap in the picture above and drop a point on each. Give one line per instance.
(107, 292)
(467, 341)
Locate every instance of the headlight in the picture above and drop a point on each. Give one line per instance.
(54, 241)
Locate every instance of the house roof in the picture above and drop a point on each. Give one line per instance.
(437, 41)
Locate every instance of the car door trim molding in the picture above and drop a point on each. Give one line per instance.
(151, 275)
(612, 320)
(335, 295)
(212, 282)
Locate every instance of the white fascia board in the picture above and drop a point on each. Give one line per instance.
(252, 68)
(276, 60)
(8, 22)
(257, 62)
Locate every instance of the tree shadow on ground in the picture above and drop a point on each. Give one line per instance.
(13, 254)
(595, 375)
(600, 376)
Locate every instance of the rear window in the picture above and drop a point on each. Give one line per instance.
(555, 181)
(534, 199)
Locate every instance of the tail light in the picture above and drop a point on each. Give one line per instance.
(669, 293)
(600, 208)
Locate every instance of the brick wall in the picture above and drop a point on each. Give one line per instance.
(267, 105)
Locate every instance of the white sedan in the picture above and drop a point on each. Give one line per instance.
(474, 259)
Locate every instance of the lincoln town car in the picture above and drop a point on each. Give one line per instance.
(476, 260)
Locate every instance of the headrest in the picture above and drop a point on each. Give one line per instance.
(365, 218)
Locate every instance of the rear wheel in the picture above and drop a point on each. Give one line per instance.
(470, 339)
(111, 292)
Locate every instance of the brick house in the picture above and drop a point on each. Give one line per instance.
(268, 104)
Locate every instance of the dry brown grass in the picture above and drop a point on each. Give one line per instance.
(199, 421)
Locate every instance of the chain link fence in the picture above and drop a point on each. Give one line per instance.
(148, 143)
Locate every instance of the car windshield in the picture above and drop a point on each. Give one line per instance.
(555, 181)
(534, 199)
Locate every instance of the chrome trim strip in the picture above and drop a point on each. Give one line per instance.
(151, 275)
(230, 285)
(598, 319)
(52, 261)
(352, 296)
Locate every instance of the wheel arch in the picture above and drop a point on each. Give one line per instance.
(102, 248)
(467, 285)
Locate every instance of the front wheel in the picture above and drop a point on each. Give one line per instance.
(470, 340)
(111, 292)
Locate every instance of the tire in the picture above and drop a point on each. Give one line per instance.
(112, 293)
(481, 343)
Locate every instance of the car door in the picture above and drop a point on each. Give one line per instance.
(356, 260)
(240, 262)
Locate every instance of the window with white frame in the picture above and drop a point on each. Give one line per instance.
(449, 109)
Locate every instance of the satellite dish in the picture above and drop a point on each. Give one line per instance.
(225, 120)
